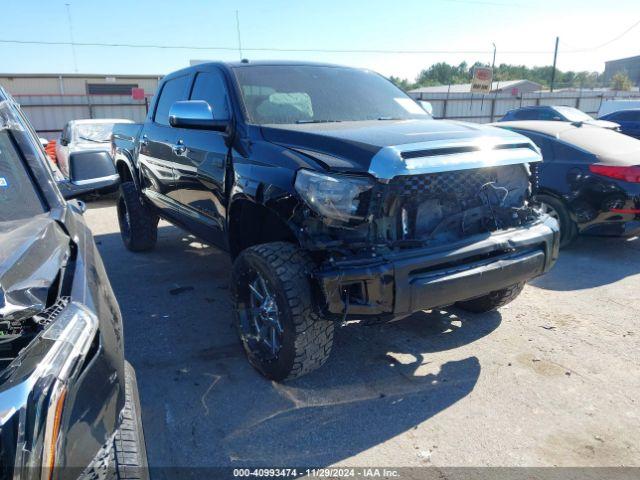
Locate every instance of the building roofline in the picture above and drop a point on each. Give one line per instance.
(74, 75)
(633, 57)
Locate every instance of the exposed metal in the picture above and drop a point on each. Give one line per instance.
(448, 155)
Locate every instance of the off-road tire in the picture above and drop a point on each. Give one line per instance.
(130, 453)
(124, 457)
(307, 338)
(140, 231)
(493, 300)
(568, 228)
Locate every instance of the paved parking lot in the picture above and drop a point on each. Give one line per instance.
(553, 379)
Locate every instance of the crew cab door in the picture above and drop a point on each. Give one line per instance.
(200, 169)
(158, 149)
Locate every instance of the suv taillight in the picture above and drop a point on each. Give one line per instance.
(625, 173)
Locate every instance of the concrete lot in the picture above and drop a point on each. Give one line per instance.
(553, 379)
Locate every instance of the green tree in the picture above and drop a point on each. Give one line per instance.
(402, 83)
(443, 73)
(621, 81)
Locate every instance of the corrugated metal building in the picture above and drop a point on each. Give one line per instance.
(51, 100)
(630, 65)
(76, 84)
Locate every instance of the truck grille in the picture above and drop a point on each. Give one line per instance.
(458, 184)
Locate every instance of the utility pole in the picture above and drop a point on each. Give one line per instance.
(555, 57)
(73, 45)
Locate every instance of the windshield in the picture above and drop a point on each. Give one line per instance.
(308, 94)
(573, 114)
(94, 132)
(18, 196)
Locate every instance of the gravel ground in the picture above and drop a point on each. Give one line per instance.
(552, 379)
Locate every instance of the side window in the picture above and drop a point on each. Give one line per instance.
(548, 114)
(528, 114)
(210, 86)
(66, 133)
(172, 91)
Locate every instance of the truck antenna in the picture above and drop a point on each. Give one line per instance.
(73, 45)
(239, 37)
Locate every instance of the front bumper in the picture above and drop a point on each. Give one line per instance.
(408, 281)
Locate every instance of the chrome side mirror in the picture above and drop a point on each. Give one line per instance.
(195, 114)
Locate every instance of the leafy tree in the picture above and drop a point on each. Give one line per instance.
(402, 83)
(621, 81)
(443, 73)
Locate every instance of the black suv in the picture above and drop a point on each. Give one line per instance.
(68, 400)
(337, 197)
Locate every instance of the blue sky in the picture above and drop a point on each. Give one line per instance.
(516, 26)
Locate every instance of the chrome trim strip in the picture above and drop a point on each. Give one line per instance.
(388, 162)
(96, 180)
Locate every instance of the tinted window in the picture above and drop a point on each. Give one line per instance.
(18, 196)
(527, 114)
(210, 86)
(172, 91)
(307, 94)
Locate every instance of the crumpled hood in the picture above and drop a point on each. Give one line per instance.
(364, 146)
(33, 252)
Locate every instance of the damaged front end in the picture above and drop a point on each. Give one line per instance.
(418, 208)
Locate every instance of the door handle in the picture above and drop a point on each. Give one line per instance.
(144, 141)
(179, 148)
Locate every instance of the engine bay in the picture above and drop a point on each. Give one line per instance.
(430, 209)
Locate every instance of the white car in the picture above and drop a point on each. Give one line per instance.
(84, 135)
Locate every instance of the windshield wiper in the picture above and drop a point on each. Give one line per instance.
(92, 139)
(389, 118)
(318, 121)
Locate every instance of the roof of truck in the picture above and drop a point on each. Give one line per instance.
(251, 63)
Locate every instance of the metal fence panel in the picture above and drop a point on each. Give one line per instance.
(491, 107)
(50, 113)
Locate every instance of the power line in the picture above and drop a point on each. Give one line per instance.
(260, 49)
(608, 42)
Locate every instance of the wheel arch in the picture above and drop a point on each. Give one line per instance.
(251, 223)
(125, 169)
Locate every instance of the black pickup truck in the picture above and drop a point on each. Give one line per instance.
(337, 196)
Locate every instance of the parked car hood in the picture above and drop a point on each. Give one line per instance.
(33, 252)
(363, 146)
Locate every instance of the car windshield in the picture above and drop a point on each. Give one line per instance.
(573, 114)
(19, 198)
(316, 94)
(94, 132)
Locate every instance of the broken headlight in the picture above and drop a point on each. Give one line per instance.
(337, 197)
